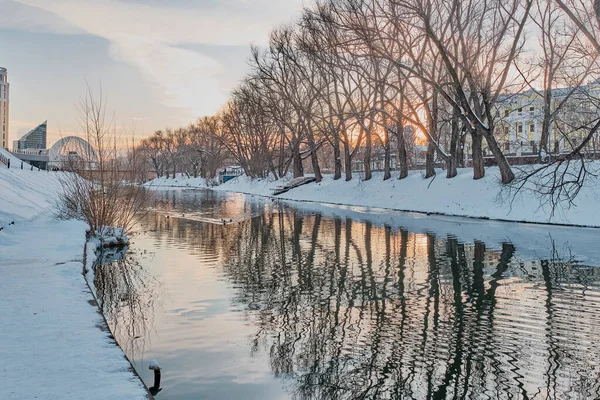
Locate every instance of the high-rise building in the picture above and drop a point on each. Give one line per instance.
(34, 139)
(4, 86)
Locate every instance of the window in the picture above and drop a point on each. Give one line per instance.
(532, 109)
(531, 131)
(507, 146)
(506, 113)
(519, 128)
(521, 109)
(505, 129)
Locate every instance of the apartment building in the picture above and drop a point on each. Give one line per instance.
(4, 100)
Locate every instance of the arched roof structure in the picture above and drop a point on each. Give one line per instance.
(71, 148)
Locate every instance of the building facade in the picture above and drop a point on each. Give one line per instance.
(34, 139)
(520, 117)
(4, 100)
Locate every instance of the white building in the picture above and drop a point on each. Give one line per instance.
(519, 119)
(4, 91)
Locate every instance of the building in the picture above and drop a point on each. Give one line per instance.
(520, 116)
(4, 91)
(229, 173)
(34, 139)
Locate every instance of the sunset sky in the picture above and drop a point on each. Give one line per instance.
(161, 63)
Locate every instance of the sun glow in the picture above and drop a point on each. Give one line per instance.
(420, 137)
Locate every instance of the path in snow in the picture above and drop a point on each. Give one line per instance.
(53, 342)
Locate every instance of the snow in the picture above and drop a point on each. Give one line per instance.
(533, 241)
(460, 196)
(54, 343)
(154, 365)
(24, 193)
(256, 186)
(110, 237)
(181, 181)
(14, 161)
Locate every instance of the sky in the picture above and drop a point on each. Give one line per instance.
(159, 63)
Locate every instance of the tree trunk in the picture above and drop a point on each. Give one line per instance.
(454, 139)
(545, 133)
(315, 163)
(505, 170)
(387, 174)
(282, 167)
(402, 157)
(347, 162)
(433, 131)
(367, 159)
(298, 169)
(429, 161)
(461, 148)
(477, 155)
(337, 158)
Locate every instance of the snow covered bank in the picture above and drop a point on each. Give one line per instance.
(181, 181)
(461, 196)
(24, 193)
(54, 342)
(542, 242)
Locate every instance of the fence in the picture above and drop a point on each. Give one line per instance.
(32, 152)
(3, 159)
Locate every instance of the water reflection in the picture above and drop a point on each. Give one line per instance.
(346, 309)
(127, 293)
(356, 311)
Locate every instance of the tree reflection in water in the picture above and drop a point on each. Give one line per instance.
(126, 293)
(349, 310)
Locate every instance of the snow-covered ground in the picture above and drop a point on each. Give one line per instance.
(180, 181)
(53, 340)
(460, 196)
(25, 194)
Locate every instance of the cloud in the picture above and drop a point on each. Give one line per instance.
(186, 79)
(151, 37)
(19, 16)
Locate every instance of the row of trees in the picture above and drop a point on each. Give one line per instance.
(197, 150)
(354, 74)
(355, 77)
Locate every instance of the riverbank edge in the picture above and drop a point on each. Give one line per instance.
(91, 246)
(407, 211)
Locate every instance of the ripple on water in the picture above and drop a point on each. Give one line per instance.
(281, 303)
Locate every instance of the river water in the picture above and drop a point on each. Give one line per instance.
(240, 297)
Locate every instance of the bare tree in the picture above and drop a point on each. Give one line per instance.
(95, 190)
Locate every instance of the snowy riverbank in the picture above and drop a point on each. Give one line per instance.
(461, 196)
(374, 201)
(54, 341)
(180, 181)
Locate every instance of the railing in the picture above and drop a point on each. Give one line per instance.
(3, 160)
(31, 152)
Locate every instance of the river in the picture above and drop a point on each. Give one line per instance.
(241, 297)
